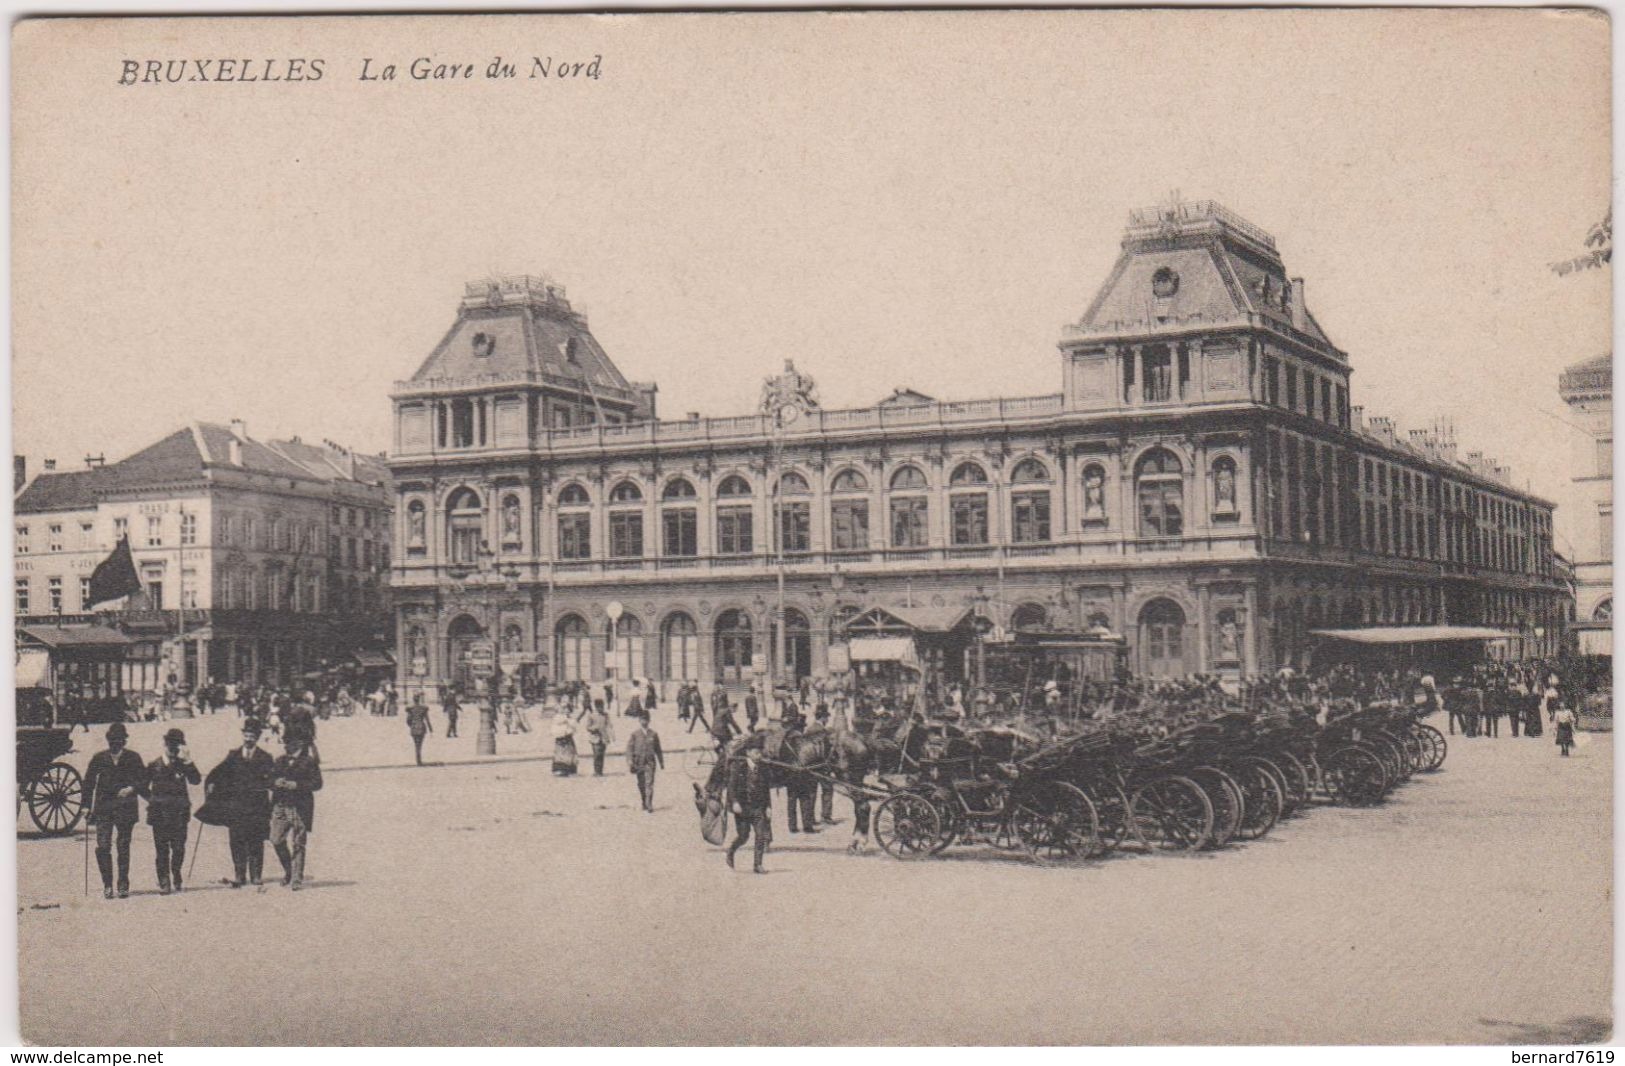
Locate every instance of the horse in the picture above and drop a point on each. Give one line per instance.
(794, 757)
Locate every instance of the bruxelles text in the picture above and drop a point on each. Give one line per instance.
(160, 71)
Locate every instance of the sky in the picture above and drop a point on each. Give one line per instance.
(917, 199)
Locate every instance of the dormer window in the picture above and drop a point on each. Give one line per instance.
(1164, 283)
(572, 352)
(484, 345)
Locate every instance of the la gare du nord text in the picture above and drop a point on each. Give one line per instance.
(423, 68)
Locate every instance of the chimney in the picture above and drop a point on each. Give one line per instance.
(1357, 418)
(1422, 441)
(93, 461)
(236, 455)
(1297, 307)
(239, 429)
(50, 465)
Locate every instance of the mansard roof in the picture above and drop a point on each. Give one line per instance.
(518, 328)
(1190, 263)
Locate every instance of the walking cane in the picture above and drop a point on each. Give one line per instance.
(197, 846)
(86, 835)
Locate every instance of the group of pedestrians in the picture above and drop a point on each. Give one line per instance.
(255, 796)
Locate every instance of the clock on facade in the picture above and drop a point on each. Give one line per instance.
(1164, 283)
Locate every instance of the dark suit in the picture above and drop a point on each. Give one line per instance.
(169, 812)
(293, 807)
(112, 814)
(752, 799)
(241, 787)
(642, 755)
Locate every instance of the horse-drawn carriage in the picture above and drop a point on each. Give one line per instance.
(51, 789)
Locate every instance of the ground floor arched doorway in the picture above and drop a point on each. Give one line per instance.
(461, 637)
(1162, 640)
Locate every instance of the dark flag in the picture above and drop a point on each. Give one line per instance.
(114, 576)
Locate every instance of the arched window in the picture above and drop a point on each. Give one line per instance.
(679, 521)
(1029, 504)
(625, 521)
(849, 481)
(736, 532)
(967, 505)
(909, 508)
(1094, 494)
(908, 479)
(1029, 616)
(793, 484)
(849, 516)
(623, 653)
(465, 519)
(1604, 611)
(734, 646)
(1162, 639)
(793, 520)
(574, 651)
(797, 645)
(1160, 487)
(680, 648)
(1224, 487)
(575, 524)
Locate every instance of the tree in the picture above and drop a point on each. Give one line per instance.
(1601, 242)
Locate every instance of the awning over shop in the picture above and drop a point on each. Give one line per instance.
(91, 636)
(931, 619)
(883, 650)
(375, 660)
(1592, 642)
(33, 668)
(1412, 634)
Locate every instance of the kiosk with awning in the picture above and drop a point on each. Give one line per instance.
(83, 669)
(1431, 647)
(909, 650)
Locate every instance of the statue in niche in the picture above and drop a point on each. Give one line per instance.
(510, 518)
(1094, 494)
(414, 527)
(1224, 487)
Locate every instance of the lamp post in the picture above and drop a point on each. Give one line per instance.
(485, 573)
(786, 398)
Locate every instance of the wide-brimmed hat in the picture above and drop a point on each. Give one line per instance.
(175, 735)
(116, 731)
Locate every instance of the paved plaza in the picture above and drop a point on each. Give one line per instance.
(495, 903)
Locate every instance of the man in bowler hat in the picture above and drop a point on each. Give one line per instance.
(240, 787)
(643, 754)
(169, 808)
(115, 781)
(295, 779)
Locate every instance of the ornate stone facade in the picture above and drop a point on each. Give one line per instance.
(1201, 484)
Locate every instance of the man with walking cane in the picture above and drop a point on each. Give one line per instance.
(115, 780)
(169, 808)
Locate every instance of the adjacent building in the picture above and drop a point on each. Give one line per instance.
(1201, 483)
(1588, 389)
(259, 560)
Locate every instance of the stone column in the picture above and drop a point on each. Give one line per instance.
(1251, 632)
(1204, 608)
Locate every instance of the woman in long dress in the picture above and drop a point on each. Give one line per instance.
(564, 745)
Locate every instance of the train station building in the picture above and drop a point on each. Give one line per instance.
(1201, 483)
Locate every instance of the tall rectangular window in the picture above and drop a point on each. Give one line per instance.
(22, 595)
(22, 540)
(680, 530)
(87, 536)
(84, 594)
(1326, 412)
(969, 514)
(121, 529)
(575, 536)
(1029, 517)
(735, 535)
(849, 525)
(908, 516)
(625, 535)
(1292, 388)
(1605, 458)
(54, 542)
(795, 527)
(155, 531)
(54, 589)
(1272, 380)
(188, 528)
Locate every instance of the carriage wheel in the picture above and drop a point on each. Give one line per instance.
(907, 826)
(56, 799)
(947, 809)
(1264, 792)
(1355, 776)
(1229, 805)
(698, 762)
(1299, 784)
(1056, 822)
(1173, 813)
(1116, 823)
(1434, 742)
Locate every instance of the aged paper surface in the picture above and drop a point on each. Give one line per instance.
(1028, 449)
